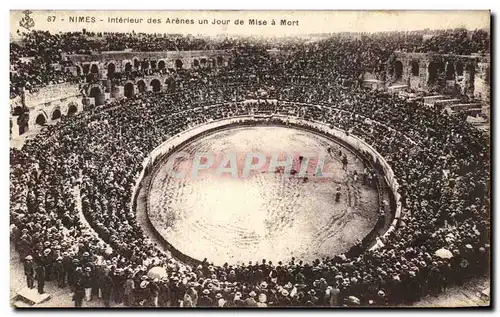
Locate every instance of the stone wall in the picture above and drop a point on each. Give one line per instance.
(456, 74)
(84, 63)
(50, 94)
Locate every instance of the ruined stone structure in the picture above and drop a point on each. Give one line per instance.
(46, 105)
(107, 63)
(442, 73)
(50, 103)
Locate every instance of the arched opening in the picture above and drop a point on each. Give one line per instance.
(72, 109)
(196, 63)
(141, 86)
(18, 110)
(23, 123)
(86, 69)
(460, 69)
(128, 90)
(220, 60)
(161, 65)
(155, 85)
(136, 64)
(178, 64)
(111, 70)
(40, 119)
(95, 91)
(128, 67)
(434, 69)
(450, 71)
(144, 64)
(78, 70)
(203, 62)
(471, 70)
(170, 82)
(56, 114)
(415, 71)
(398, 70)
(153, 64)
(94, 69)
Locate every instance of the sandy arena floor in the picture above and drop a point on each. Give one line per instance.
(265, 216)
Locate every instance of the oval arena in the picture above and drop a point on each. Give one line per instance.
(325, 174)
(198, 217)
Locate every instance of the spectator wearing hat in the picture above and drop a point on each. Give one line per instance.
(106, 289)
(72, 273)
(250, 300)
(128, 295)
(219, 300)
(332, 296)
(193, 294)
(86, 280)
(381, 299)
(40, 278)
(29, 271)
(118, 285)
(165, 293)
(143, 293)
(262, 300)
(154, 291)
(187, 301)
(205, 299)
(60, 272)
(79, 294)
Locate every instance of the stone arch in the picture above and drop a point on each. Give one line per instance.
(86, 69)
(145, 64)
(434, 70)
(128, 67)
(23, 123)
(94, 91)
(415, 68)
(203, 62)
(129, 90)
(196, 63)
(141, 86)
(94, 69)
(178, 64)
(41, 118)
(56, 114)
(450, 71)
(72, 108)
(136, 63)
(153, 63)
(170, 82)
(398, 70)
(155, 85)
(220, 61)
(161, 65)
(111, 70)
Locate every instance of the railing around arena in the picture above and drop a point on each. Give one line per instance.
(177, 141)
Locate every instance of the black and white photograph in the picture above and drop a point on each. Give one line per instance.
(250, 159)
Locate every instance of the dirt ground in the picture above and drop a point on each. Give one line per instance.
(266, 215)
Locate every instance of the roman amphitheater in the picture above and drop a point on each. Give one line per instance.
(398, 209)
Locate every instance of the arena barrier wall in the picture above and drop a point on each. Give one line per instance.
(201, 130)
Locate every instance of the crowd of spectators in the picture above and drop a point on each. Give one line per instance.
(71, 190)
(36, 59)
